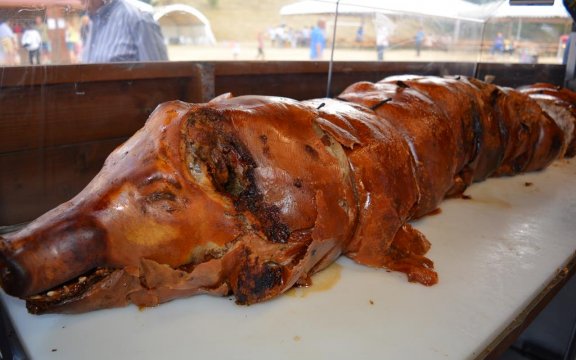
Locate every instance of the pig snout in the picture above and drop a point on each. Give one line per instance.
(47, 254)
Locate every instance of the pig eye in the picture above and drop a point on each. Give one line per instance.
(158, 192)
(161, 195)
(164, 179)
(160, 200)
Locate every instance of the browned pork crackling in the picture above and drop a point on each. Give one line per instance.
(251, 195)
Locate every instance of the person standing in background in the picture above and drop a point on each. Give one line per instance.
(120, 32)
(8, 44)
(84, 31)
(419, 40)
(318, 40)
(260, 55)
(73, 42)
(498, 45)
(235, 50)
(32, 42)
(45, 48)
(84, 28)
(360, 33)
(381, 42)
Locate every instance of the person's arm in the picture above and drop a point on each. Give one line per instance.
(150, 41)
(319, 50)
(24, 41)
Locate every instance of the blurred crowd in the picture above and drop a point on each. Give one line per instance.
(28, 41)
(283, 36)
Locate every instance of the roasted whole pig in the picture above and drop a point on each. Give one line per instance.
(251, 195)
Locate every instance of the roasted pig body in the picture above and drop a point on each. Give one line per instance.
(251, 195)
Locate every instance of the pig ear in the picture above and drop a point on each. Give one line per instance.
(221, 98)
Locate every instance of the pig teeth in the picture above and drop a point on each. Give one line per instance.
(82, 279)
(51, 293)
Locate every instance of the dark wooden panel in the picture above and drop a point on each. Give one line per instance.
(514, 75)
(306, 80)
(296, 86)
(52, 115)
(32, 182)
(306, 67)
(47, 75)
(56, 105)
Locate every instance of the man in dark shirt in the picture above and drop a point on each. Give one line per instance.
(121, 32)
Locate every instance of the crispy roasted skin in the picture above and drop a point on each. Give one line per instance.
(251, 195)
(560, 104)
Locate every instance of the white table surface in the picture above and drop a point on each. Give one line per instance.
(495, 253)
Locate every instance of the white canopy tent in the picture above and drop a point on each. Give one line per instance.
(184, 24)
(505, 10)
(316, 7)
(452, 9)
(457, 10)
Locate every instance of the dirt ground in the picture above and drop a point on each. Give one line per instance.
(248, 51)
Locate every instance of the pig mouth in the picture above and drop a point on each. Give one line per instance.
(146, 285)
(67, 293)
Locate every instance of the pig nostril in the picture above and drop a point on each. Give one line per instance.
(13, 279)
(11, 275)
(5, 274)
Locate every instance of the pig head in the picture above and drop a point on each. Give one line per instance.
(243, 196)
